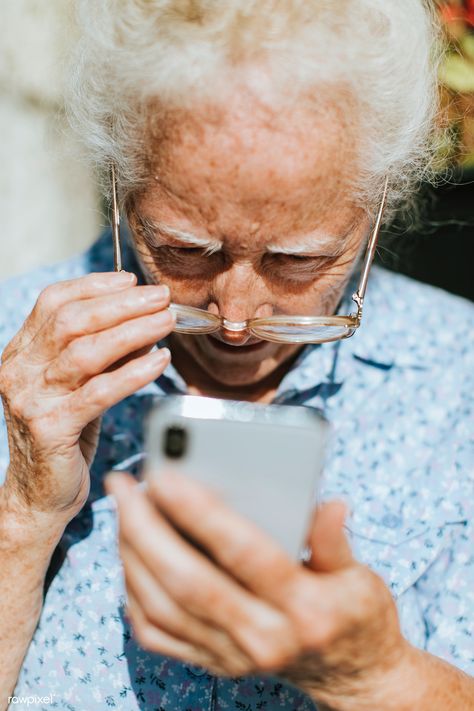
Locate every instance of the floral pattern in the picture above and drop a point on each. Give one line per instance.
(399, 395)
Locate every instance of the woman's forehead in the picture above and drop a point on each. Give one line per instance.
(260, 169)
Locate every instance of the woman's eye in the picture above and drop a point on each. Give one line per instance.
(295, 267)
(188, 251)
(183, 252)
(187, 262)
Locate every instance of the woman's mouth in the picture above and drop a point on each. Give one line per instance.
(235, 348)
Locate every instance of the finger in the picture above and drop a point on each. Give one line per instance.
(124, 480)
(86, 287)
(131, 356)
(105, 390)
(237, 544)
(155, 640)
(90, 355)
(203, 590)
(54, 296)
(164, 613)
(84, 317)
(330, 550)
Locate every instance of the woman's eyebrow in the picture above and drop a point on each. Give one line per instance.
(153, 229)
(308, 245)
(312, 244)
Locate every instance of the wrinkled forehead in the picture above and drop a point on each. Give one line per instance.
(250, 163)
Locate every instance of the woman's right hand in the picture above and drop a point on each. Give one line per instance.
(84, 347)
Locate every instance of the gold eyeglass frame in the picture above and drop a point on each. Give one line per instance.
(349, 324)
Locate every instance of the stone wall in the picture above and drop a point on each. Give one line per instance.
(49, 207)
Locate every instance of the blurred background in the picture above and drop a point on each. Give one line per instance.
(49, 204)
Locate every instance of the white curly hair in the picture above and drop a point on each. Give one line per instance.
(132, 53)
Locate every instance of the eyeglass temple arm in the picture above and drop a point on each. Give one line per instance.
(116, 223)
(359, 295)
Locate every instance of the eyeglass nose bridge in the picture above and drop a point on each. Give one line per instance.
(234, 326)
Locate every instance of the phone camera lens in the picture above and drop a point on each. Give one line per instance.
(175, 442)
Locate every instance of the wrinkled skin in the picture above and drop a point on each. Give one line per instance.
(250, 178)
(68, 364)
(330, 627)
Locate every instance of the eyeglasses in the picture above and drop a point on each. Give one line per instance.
(281, 328)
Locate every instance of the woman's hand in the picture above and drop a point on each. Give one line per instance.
(84, 347)
(330, 627)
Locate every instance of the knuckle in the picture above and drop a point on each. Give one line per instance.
(153, 612)
(15, 409)
(8, 351)
(47, 301)
(145, 635)
(183, 592)
(96, 394)
(139, 631)
(239, 553)
(126, 333)
(321, 636)
(66, 320)
(81, 355)
(5, 380)
(213, 597)
(14, 345)
(267, 656)
(19, 406)
(271, 642)
(238, 668)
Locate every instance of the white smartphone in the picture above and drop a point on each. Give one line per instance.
(264, 461)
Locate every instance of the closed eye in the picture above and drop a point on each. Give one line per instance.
(295, 267)
(187, 262)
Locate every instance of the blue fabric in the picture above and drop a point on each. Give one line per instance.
(399, 395)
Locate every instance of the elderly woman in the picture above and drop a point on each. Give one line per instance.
(251, 144)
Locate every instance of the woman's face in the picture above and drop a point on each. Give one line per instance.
(246, 214)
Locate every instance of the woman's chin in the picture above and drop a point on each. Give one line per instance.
(228, 366)
(238, 376)
(236, 370)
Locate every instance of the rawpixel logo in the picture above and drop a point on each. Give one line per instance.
(30, 700)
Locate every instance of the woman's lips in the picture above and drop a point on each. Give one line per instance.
(235, 348)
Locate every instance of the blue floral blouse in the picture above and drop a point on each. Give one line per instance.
(399, 395)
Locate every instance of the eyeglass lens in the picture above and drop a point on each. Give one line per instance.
(193, 320)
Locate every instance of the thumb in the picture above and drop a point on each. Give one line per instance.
(330, 550)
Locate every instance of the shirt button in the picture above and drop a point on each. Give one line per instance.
(196, 670)
(391, 521)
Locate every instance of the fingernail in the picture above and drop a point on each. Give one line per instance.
(159, 357)
(124, 276)
(158, 294)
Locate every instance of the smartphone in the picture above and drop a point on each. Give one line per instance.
(264, 461)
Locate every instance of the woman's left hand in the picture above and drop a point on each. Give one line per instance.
(329, 627)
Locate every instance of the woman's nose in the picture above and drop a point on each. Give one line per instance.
(238, 297)
(232, 336)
